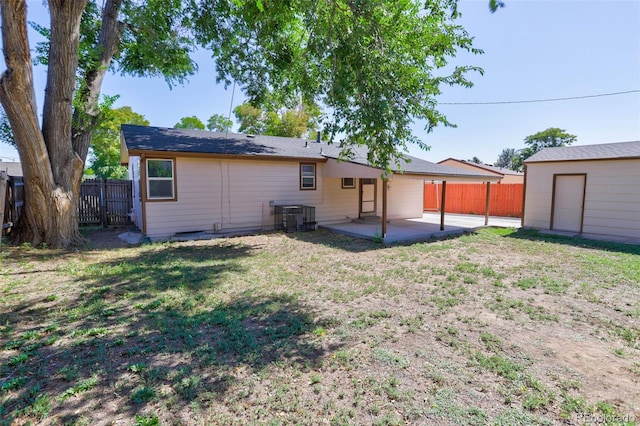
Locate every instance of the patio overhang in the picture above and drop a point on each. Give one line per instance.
(335, 168)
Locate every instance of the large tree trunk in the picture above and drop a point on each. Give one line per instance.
(52, 169)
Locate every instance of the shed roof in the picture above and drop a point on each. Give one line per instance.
(606, 151)
(140, 139)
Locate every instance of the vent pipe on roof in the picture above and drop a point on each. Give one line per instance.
(306, 144)
(318, 135)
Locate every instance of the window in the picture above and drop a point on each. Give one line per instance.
(348, 183)
(307, 176)
(160, 180)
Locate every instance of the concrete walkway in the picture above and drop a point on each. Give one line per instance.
(419, 229)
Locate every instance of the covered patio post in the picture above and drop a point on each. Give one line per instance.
(384, 207)
(486, 205)
(442, 204)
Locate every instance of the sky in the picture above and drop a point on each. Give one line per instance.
(533, 50)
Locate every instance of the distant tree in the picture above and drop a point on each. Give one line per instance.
(250, 119)
(476, 160)
(219, 123)
(506, 159)
(192, 122)
(551, 137)
(294, 122)
(105, 143)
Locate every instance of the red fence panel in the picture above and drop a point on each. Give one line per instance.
(505, 199)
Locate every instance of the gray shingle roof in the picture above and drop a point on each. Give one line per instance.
(604, 151)
(139, 139)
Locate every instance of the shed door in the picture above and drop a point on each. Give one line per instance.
(367, 197)
(568, 202)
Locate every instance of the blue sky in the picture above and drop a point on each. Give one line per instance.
(533, 50)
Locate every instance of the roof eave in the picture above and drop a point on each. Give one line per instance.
(156, 153)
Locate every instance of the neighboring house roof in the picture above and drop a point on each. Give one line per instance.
(486, 167)
(144, 139)
(13, 168)
(606, 151)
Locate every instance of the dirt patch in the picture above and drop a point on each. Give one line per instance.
(100, 239)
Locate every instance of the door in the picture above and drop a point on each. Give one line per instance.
(368, 197)
(568, 202)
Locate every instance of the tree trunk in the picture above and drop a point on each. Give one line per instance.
(52, 170)
(85, 120)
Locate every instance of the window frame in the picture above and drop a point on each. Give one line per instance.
(149, 179)
(314, 177)
(351, 186)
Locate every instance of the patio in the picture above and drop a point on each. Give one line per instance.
(420, 229)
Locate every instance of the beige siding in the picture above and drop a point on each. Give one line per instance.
(612, 195)
(236, 194)
(512, 179)
(405, 197)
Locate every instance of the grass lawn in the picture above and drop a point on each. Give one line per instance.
(499, 327)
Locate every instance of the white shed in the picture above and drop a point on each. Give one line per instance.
(593, 190)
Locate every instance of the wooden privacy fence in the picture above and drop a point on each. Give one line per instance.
(102, 202)
(11, 200)
(105, 202)
(505, 199)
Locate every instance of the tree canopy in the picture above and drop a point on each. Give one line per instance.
(219, 123)
(549, 138)
(377, 65)
(105, 143)
(290, 122)
(508, 159)
(192, 122)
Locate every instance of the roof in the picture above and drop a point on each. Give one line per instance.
(606, 151)
(12, 168)
(140, 139)
(500, 170)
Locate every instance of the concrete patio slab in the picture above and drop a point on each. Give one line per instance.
(419, 229)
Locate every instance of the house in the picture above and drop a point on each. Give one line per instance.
(588, 189)
(506, 175)
(192, 180)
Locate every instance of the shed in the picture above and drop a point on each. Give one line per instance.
(593, 190)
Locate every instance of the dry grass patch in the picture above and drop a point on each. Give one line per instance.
(498, 327)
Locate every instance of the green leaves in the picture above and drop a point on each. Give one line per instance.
(105, 143)
(376, 65)
(294, 122)
(192, 122)
(551, 137)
